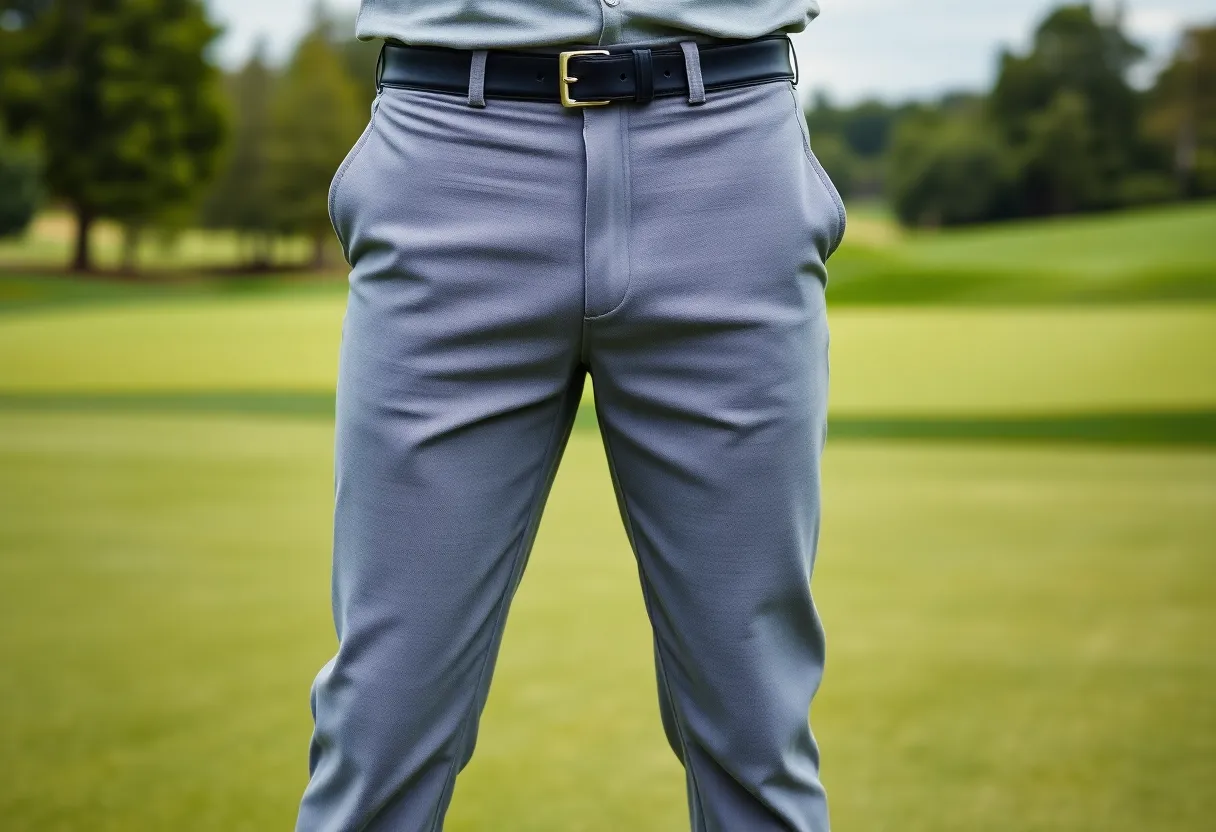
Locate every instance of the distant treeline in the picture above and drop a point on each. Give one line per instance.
(1062, 131)
(114, 110)
(291, 128)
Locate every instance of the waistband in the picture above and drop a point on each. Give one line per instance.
(584, 76)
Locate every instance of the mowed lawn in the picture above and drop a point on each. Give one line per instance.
(1020, 634)
(885, 360)
(1130, 256)
(1020, 639)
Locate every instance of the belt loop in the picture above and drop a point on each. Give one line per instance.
(477, 79)
(643, 72)
(692, 68)
(794, 55)
(380, 68)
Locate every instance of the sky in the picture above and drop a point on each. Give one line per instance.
(889, 49)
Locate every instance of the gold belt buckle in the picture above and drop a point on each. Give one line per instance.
(565, 79)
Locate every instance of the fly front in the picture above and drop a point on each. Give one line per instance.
(606, 234)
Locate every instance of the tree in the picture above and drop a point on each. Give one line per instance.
(125, 103)
(359, 57)
(1076, 73)
(1181, 114)
(240, 198)
(20, 190)
(1060, 174)
(315, 119)
(850, 142)
(949, 170)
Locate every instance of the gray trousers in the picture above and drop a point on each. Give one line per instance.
(675, 251)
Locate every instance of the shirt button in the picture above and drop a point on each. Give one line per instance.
(611, 2)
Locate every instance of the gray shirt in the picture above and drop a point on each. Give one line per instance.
(485, 24)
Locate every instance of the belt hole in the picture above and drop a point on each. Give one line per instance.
(622, 76)
(540, 76)
(667, 73)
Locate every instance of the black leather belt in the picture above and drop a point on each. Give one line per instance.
(587, 77)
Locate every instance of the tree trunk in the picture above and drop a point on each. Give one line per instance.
(318, 251)
(130, 247)
(81, 260)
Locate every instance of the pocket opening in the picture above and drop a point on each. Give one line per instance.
(340, 173)
(820, 172)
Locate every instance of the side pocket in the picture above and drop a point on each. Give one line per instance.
(821, 173)
(342, 168)
(836, 198)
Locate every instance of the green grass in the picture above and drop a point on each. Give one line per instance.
(1022, 360)
(1135, 256)
(1020, 639)
(265, 341)
(885, 361)
(1019, 631)
(1195, 426)
(22, 292)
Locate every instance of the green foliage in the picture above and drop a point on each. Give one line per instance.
(20, 187)
(1146, 188)
(1181, 117)
(1070, 113)
(948, 171)
(1205, 171)
(852, 142)
(359, 57)
(865, 128)
(277, 169)
(1073, 51)
(315, 118)
(839, 161)
(1062, 131)
(241, 198)
(124, 101)
(1060, 171)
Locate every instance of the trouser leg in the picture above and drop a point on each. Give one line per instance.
(711, 388)
(458, 383)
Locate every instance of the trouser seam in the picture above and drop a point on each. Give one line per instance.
(824, 180)
(692, 775)
(647, 601)
(558, 433)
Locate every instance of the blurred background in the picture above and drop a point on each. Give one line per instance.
(1018, 561)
